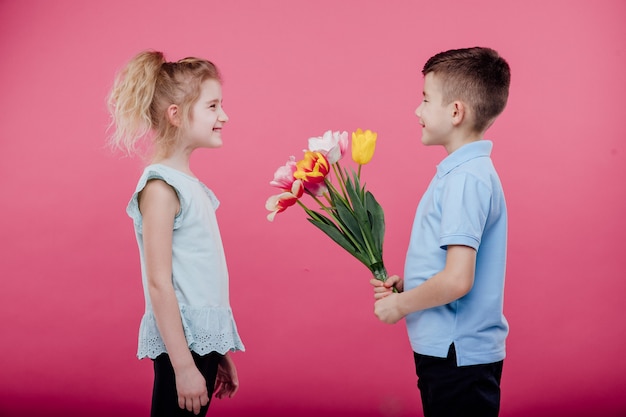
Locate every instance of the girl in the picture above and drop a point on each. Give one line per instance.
(188, 326)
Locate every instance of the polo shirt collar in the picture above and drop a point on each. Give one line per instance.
(464, 154)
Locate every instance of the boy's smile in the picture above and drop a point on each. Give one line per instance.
(432, 114)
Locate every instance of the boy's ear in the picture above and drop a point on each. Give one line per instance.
(458, 112)
(173, 115)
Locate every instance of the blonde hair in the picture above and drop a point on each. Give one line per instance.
(145, 88)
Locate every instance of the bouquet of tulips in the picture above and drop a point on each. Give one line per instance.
(348, 213)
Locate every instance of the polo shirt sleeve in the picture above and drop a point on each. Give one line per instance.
(465, 203)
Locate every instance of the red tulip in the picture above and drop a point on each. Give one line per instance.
(281, 202)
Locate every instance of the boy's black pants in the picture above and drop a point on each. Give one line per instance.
(448, 390)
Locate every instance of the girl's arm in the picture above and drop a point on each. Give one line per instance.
(450, 284)
(159, 204)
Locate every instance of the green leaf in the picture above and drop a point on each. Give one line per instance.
(337, 231)
(377, 219)
(320, 217)
(336, 235)
(356, 201)
(350, 222)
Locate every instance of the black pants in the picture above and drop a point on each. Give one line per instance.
(164, 396)
(448, 390)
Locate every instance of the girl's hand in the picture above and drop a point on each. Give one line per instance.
(227, 382)
(383, 289)
(191, 389)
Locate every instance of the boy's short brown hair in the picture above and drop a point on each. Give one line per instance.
(477, 76)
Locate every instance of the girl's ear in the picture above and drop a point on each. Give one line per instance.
(173, 115)
(458, 112)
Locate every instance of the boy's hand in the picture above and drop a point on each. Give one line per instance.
(386, 308)
(383, 289)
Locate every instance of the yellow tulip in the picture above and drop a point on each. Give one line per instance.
(363, 146)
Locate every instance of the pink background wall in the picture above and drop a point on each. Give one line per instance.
(71, 299)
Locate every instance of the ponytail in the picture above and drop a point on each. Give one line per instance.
(130, 100)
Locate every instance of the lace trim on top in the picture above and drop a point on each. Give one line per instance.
(208, 329)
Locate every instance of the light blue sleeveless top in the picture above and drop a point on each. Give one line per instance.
(199, 271)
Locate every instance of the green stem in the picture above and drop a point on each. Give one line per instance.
(332, 189)
(322, 205)
(341, 172)
(327, 198)
(367, 244)
(338, 174)
(380, 272)
(306, 209)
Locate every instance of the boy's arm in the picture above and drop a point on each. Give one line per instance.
(452, 283)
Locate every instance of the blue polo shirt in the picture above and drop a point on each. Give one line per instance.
(463, 205)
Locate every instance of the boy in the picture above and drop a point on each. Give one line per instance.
(453, 286)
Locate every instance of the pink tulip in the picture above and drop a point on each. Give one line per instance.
(332, 145)
(316, 189)
(283, 177)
